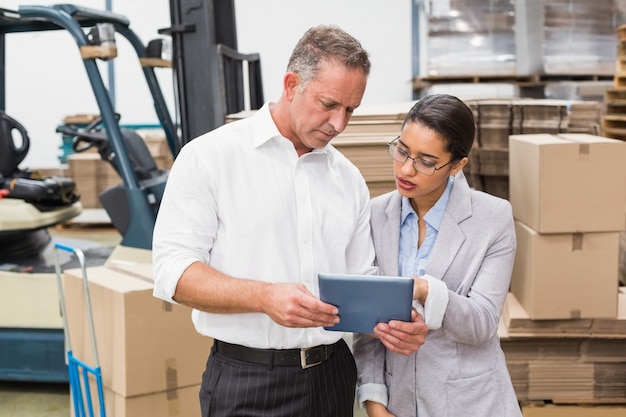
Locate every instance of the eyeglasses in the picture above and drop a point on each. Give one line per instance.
(420, 165)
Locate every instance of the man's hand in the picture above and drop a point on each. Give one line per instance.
(293, 305)
(403, 337)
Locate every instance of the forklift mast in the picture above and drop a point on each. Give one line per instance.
(211, 75)
(76, 20)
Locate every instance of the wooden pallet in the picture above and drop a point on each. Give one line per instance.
(547, 409)
(614, 126)
(533, 80)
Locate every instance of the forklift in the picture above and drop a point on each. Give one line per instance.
(32, 347)
(209, 73)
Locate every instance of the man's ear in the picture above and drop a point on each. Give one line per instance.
(291, 83)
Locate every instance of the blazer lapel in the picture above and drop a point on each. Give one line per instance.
(451, 236)
(390, 238)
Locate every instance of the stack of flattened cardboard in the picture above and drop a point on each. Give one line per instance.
(565, 360)
(92, 176)
(151, 356)
(564, 323)
(159, 149)
(539, 116)
(365, 138)
(451, 48)
(578, 35)
(488, 168)
(585, 117)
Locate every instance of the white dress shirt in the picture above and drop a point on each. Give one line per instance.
(241, 200)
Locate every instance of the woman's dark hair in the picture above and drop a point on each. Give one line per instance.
(449, 117)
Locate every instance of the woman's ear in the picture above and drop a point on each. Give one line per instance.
(459, 165)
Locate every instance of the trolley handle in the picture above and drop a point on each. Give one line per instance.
(57, 266)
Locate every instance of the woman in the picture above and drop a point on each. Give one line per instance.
(459, 245)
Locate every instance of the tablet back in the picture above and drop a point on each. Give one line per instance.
(365, 300)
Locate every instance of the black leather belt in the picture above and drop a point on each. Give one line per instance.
(305, 357)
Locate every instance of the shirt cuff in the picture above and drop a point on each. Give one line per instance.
(436, 302)
(372, 392)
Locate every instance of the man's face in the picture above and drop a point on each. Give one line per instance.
(322, 110)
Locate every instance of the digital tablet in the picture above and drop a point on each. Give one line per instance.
(365, 300)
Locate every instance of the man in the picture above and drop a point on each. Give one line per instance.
(252, 212)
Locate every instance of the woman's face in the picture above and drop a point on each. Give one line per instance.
(428, 146)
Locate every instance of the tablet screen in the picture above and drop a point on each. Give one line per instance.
(366, 300)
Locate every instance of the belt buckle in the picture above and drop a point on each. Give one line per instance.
(303, 358)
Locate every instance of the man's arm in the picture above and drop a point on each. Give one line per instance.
(289, 304)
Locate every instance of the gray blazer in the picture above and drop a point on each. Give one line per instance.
(461, 369)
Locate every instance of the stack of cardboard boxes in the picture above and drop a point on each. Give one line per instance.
(568, 193)
(150, 355)
(562, 328)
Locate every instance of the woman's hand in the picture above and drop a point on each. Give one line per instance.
(375, 409)
(403, 337)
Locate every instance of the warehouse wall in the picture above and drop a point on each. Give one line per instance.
(46, 80)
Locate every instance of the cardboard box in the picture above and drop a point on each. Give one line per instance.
(568, 183)
(566, 275)
(145, 345)
(92, 176)
(29, 301)
(180, 402)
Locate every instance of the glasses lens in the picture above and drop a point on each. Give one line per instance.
(423, 167)
(396, 153)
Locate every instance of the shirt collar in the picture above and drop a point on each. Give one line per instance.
(435, 214)
(265, 129)
(264, 126)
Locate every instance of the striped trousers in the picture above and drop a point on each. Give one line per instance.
(235, 388)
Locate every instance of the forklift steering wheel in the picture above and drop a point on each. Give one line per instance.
(91, 135)
(88, 137)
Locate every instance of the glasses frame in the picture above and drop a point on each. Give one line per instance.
(393, 148)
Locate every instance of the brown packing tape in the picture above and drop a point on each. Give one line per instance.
(583, 151)
(171, 395)
(167, 306)
(583, 148)
(171, 374)
(173, 403)
(577, 241)
(575, 314)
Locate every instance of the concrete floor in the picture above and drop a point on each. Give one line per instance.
(19, 399)
(48, 400)
(31, 399)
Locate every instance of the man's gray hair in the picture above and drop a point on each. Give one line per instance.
(326, 43)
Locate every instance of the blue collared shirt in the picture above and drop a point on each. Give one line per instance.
(411, 259)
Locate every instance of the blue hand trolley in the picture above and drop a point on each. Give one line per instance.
(79, 372)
